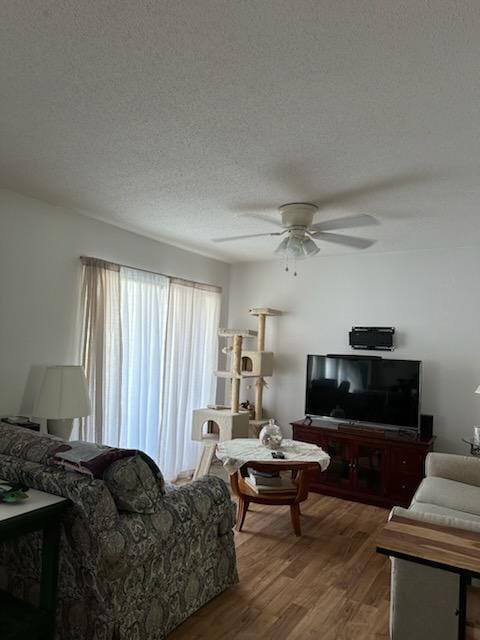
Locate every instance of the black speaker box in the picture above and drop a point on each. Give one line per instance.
(426, 426)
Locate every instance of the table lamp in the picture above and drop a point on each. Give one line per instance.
(63, 396)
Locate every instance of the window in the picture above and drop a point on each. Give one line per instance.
(149, 351)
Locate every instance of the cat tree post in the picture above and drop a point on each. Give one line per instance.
(261, 332)
(260, 382)
(236, 373)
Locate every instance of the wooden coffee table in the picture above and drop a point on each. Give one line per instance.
(301, 459)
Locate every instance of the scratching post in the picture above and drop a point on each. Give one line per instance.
(236, 371)
(260, 382)
(261, 332)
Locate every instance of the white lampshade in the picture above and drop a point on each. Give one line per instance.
(63, 394)
(477, 390)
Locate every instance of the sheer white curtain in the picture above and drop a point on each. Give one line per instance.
(190, 360)
(143, 317)
(149, 350)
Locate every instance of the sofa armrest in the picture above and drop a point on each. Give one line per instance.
(206, 500)
(453, 467)
(198, 513)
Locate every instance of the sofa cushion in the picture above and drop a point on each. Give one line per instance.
(435, 509)
(450, 494)
(133, 485)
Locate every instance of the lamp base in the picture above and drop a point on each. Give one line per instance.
(60, 428)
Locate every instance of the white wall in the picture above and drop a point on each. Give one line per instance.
(40, 246)
(431, 297)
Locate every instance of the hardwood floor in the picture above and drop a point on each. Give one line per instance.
(328, 584)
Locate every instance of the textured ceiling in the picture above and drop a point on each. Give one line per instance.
(171, 117)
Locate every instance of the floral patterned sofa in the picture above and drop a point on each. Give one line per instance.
(137, 557)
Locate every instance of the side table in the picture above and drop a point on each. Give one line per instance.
(448, 548)
(474, 446)
(39, 512)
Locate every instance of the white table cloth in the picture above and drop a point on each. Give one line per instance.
(235, 453)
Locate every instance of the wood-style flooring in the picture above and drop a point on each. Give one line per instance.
(327, 584)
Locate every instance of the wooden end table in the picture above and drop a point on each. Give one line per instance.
(434, 545)
(301, 459)
(39, 512)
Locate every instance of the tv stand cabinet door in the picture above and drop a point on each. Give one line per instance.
(339, 472)
(370, 469)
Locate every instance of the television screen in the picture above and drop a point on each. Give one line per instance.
(370, 390)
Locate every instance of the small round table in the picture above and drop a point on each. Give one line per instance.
(474, 446)
(243, 454)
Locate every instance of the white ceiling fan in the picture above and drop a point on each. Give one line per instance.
(297, 224)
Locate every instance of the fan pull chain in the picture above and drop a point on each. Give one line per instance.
(295, 273)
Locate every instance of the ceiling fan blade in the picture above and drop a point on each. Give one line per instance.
(374, 187)
(347, 222)
(250, 235)
(339, 238)
(258, 216)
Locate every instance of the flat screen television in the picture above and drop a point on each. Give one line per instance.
(364, 390)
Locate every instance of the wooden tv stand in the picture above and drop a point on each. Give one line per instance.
(368, 465)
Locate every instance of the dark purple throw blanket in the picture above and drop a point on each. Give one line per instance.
(97, 465)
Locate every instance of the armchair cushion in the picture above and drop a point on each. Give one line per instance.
(449, 494)
(453, 467)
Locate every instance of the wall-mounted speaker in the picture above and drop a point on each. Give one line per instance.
(426, 426)
(372, 338)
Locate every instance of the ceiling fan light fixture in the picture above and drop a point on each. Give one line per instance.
(297, 247)
(310, 247)
(291, 247)
(281, 250)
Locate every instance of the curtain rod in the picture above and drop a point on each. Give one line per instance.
(185, 281)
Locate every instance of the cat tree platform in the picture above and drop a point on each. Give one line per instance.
(222, 424)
